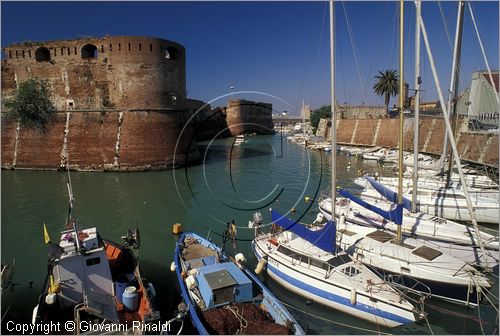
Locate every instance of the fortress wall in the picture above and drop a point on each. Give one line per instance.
(365, 131)
(41, 150)
(8, 127)
(249, 116)
(127, 72)
(114, 141)
(477, 147)
(91, 140)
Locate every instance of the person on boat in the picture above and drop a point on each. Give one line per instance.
(232, 233)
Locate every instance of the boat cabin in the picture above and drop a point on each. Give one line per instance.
(84, 273)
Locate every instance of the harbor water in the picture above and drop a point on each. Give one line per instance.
(232, 183)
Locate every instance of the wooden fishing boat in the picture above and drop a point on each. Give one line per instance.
(223, 296)
(96, 284)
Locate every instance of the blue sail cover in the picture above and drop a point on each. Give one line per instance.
(395, 215)
(323, 239)
(388, 193)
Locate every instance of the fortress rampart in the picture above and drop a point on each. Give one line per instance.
(477, 147)
(96, 73)
(249, 116)
(101, 140)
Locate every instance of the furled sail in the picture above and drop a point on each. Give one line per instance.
(323, 238)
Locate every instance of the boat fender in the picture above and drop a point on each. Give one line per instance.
(319, 218)
(177, 228)
(191, 282)
(50, 299)
(193, 271)
(151, 290)
(240, 257)
(260, 266)
(353, 296)
(173, 267)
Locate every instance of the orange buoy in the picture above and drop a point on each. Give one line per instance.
(177, 229)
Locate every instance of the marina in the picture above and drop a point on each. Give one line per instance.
(150, 201)
(235, 216)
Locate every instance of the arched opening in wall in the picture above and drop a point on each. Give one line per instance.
(171, 53)
(42, 54)
(89, 51)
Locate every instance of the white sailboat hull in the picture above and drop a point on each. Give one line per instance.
(305, 282)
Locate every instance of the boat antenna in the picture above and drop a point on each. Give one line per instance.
(72, 221)
(401, 116)
(334, 121)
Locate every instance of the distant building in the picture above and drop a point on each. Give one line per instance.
(479, 101)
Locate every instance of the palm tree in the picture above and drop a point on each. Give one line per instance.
(387, 85)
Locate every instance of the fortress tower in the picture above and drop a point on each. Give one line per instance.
(110, 72)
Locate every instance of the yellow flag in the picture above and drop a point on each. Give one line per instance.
(46, 234)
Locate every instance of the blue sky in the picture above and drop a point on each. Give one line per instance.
(279, 48)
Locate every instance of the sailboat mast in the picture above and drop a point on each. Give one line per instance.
(456, 70)
(417, 112)
(401, 114)
(334, 121)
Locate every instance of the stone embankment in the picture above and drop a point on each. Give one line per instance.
(474, 146)
(104, 141)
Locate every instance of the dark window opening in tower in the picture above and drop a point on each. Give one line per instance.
(110, 47)
(62, 51)
(42, 54)
(140, 46)
(129, 47)
(119, 46)
(76, 52)
(150, 47)
(89, 51)
(171, 53)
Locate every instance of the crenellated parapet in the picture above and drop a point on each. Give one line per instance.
(129, 72)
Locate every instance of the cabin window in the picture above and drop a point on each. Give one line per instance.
(350, 271)
(338, 260)
(89, 51)
(93, 261)
(171, 53)
(42, 54)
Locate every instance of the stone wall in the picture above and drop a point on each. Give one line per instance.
(124, 72)
(361, 112)
(477, 147)
(249, 116)
(104, 141)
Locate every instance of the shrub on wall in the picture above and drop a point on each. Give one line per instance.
(31, 105)
(324, 111)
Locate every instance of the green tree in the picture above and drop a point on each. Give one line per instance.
(387, 84)
(324, 111)
(31, 105)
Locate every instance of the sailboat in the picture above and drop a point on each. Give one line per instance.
(306, 261)
(447, 277)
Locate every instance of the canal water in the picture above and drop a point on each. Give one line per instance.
(231, 184)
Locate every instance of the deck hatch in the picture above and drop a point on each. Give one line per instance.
(380, 236)
(427, 252)
(222, 285)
